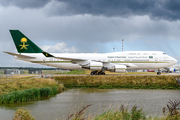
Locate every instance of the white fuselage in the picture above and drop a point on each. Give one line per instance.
(131, 59)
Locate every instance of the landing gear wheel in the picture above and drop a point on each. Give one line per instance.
(158, 73)
(97, 73)
(101, 73)
(92, 73)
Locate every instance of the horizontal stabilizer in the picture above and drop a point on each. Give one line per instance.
(19, 55)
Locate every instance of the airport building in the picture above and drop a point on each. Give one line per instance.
(13, 71)
(35, 71)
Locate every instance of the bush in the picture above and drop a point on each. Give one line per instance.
(28, 95)
(23, 114)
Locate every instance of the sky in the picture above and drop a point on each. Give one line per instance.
(90, 26)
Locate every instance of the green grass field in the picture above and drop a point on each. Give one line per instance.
(13, 90)
(1, 72)
(110, 82)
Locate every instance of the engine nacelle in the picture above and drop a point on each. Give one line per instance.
(118, 68)
(172, 70)
(96, 65)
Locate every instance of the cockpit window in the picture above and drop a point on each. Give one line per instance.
(164, 54)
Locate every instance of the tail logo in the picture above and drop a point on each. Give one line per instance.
(23, 41)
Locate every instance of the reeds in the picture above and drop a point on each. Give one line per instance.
(109, 82)
(79, 114)
(28, 95)
(23, 114)
(123, 114)
(20, 84)
(27, 89)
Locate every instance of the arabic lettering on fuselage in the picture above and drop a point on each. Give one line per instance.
(126, 57)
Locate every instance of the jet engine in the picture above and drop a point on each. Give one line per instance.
(118, 68)
(94, 66)
(172, 70)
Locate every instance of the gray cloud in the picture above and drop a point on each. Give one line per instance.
(156, 9)
(87, 31)
(25, 3)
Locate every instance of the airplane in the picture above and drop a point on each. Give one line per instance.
(98, 63)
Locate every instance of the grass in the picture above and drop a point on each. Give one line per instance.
(134, 113)
(128, 73)
(23, 114)
(1, 72)
(121, 113)
(109, 82)
(53, 72)
(27, 89)
(19, 84)
(29, 95)
(76, 72)
(63, 72)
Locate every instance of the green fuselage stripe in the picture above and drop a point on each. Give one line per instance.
(138, 62)
(51, 61)
(101, 66)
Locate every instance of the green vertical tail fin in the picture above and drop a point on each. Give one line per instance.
(24, 44)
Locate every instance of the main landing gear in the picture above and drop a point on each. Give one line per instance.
(97, 73)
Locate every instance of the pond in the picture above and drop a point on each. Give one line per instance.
(71, 100)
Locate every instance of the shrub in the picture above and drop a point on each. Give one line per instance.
(23, 114)
(29, 95)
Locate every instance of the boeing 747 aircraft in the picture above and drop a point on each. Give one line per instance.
(98, 63)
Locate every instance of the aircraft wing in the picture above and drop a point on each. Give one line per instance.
(72, 59)
(64, 58)
(19, 55)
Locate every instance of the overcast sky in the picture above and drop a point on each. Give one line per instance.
(91, 26)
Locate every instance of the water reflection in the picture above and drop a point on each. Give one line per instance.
(89, 90)
(66, 103)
